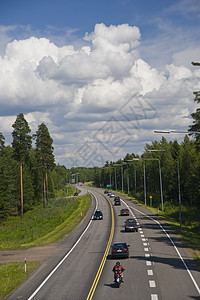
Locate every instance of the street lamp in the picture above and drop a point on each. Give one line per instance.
(145, 190)
(161, 191)
(176, 131)
(195, 63)
(109, 173)
(179, 188)
(115, 177)
(135, 175)
(122, 174)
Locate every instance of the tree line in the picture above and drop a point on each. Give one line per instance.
(139, 175)
(27, 173)
(177, 165)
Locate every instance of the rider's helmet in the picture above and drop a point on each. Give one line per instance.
(117, 263)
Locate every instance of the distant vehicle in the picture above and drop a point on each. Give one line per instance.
(105, 192)
(124, 212)
(117, 197)
(109, 193)
(120, 250)
(131, 225)
(75, 194)
(98, 215)
(117, 202)
(112, 196)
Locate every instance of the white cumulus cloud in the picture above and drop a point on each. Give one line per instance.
(103, 95)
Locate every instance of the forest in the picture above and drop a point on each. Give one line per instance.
(167, 172)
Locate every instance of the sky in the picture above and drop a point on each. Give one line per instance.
(102, 75)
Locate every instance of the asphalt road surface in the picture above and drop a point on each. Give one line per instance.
(159, 266)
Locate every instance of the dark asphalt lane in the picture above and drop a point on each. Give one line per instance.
(73, 279)
(153, 271)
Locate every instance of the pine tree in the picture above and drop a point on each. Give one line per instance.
(44, 156)
(21, 145)
(196, 123)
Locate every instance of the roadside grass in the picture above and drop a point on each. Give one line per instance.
(12, 275)
(190, 232)
(39, 226)
(65, 192)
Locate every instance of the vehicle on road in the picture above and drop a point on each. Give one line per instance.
(105, 192)
(117, 198)
(118, 274)
(120, 249)
(124, 212)
(98, 215)
(117, 202)
(75, 194)
(112, 196)
(131, 225)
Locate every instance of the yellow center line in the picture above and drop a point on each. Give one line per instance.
(97, 277)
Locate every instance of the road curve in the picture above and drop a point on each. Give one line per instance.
(159, 267)
(81, 253)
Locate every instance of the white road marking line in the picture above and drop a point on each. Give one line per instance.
(150, 272)
(144, 244)
(146, 249)
(148, 263)
(147, 255)
(144, 240)
(176, 249)
(152, 283)
(142, 235)
(68, 253)
(154, 297)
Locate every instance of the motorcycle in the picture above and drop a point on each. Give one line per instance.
(118, 278)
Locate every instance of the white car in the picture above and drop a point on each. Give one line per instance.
(112, 196)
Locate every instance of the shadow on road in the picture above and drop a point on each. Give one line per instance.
(112, 285)
(172, 261)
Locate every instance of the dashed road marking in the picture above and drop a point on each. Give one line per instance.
(154, 297)
(152, 283)
(150, 272)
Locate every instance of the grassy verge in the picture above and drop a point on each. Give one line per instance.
(12, 275)
(39, 226)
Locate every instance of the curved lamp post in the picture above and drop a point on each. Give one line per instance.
(135, 175)
(179, 188)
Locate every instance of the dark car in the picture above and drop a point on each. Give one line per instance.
(98, 215)
(120, 250)
(105, 192)
(131, 225)
(76, 194)
(124, 212)
(117, 198)
(117, 202)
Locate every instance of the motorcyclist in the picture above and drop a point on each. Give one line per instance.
(118, 268)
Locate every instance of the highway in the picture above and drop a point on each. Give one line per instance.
(159, 266)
